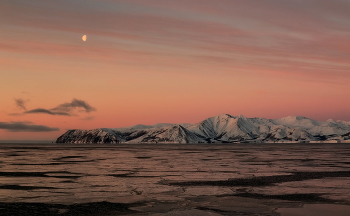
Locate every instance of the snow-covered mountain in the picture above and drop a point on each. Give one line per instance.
(223, 128)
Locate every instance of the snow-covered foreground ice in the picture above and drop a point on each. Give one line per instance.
(207, 179)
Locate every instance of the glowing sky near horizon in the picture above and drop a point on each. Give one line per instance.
(152, 61)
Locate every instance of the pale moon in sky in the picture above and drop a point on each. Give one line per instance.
(84, 38)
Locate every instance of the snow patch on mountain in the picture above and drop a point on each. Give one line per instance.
(225, 127)
(101, 135)
(166, 134)
(142, 127)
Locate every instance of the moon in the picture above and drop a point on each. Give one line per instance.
(84, 38)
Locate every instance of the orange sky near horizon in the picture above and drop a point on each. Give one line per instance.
(156, 61)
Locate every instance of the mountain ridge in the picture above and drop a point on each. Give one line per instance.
(223, 128)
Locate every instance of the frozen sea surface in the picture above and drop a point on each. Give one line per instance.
(211, 179)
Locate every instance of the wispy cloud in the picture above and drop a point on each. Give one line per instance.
(68, 107)
(45, 111)
(20, 103)
(25, 127)
(65, 109)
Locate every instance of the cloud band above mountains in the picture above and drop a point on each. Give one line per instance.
(68, 107)
(65, 109)
(25, 127)
(41, 110)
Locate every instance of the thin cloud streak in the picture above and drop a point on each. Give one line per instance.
(65, 109)
(45, 111)
(25, 127)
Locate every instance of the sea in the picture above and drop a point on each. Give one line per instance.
(174, 179)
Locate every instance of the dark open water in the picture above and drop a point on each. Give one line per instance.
(232, 179)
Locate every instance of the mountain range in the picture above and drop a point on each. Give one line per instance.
(223, 128)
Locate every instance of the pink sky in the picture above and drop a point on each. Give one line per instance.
(152, 61)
